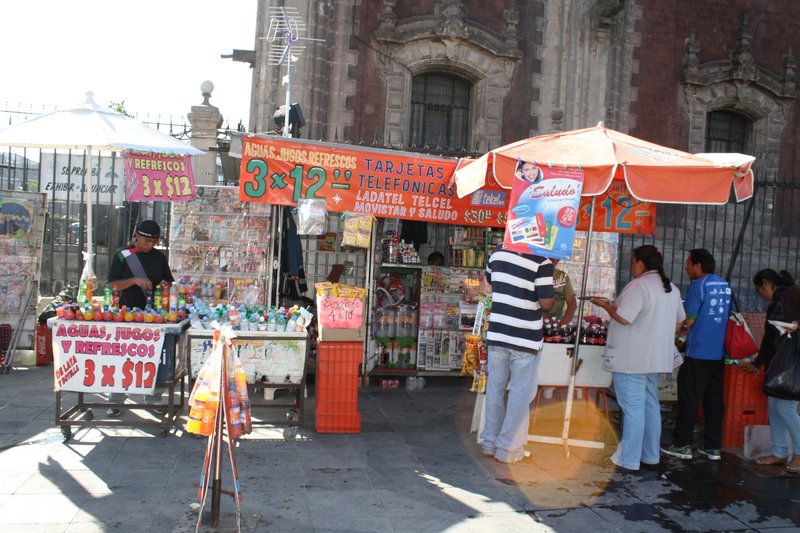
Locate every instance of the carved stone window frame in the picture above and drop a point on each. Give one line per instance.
(488, 74)
(768, 114)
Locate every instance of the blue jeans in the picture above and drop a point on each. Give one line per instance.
(506, 424)
(783, 419)
(637, 396)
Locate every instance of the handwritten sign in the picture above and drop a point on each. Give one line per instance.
(159, 177)
(106, 357)
(337, 312)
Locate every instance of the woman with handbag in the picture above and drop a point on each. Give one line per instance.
(784, 298)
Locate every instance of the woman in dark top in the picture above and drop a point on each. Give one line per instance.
(784, 298)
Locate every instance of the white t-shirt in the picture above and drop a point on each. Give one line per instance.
(647, 344)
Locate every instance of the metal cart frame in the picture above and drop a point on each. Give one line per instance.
(294, 407)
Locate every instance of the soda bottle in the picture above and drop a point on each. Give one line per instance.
(157, 298)
(209, 415)
(165, 297)
(234, 421)
(82, 292)
(173, 299)
(107, 295)
(195, 422)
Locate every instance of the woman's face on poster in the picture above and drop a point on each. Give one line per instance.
(529, 172)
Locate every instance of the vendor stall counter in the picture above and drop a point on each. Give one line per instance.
(96, 359)
(272, 361)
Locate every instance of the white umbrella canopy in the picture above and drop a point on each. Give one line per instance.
(89, 127)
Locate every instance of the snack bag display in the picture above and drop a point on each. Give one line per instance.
(357, 230)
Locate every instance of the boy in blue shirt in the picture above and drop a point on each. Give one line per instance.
(707, 306)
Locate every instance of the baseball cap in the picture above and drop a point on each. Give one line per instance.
(148, 228)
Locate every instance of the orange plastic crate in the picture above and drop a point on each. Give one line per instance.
(336, 389)
(741, 387)
(735, 420)
(337, 423)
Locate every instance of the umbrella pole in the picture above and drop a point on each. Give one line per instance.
(576, 362)
(89, 226)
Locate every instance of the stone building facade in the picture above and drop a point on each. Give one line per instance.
(466, 76)
(654, 69)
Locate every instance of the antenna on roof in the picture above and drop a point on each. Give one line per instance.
(285, 26)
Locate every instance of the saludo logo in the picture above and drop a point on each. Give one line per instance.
(553, 188)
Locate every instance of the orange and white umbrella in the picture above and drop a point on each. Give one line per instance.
(652, 173)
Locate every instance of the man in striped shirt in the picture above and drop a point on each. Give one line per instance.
(522, 285)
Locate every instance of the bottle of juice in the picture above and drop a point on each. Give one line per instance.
(107, 295)
(157, 298)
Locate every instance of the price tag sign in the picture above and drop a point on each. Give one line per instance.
(618, 211)
(158, 177)
(337, 312)
(106, 357)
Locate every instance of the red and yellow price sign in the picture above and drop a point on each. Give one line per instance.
(618, 211)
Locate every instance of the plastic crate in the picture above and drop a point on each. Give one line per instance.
(336, 389)
(338, 423)
(736, 419)
(741, 387)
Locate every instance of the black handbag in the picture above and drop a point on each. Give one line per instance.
(783, 374)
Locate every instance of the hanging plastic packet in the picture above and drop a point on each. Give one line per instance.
(205, 395)
(357, 230)
(311, 217)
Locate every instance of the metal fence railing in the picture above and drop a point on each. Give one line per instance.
(60, 175)
(763, 232)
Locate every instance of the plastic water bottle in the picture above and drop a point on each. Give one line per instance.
(82, 292)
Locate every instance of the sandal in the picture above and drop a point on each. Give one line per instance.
(771, 460)
(794, 466)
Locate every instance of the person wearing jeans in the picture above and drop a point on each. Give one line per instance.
(522, 285)
(640, 345)
(507, 423)
(784, 297)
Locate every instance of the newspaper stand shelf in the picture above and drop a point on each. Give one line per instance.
(273, 361)
(172, 374)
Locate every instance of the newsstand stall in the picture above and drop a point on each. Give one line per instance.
(598, 163)
(94, 358)
(417, 315)
(220, 250)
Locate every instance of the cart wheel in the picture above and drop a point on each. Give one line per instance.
(67, 432)
(89, 415)
(289, 433)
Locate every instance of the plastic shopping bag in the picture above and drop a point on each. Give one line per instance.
(783, 374)
(739, 342)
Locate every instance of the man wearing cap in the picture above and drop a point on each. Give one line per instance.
(134, 272)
